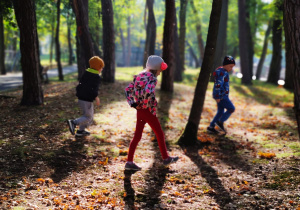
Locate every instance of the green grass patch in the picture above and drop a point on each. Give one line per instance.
(283, 179)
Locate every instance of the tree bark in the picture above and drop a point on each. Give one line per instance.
(182, 32)
(199, 32)
(178, 65)
(108, 41)
(263, 53)
(26, 19)
(128, 59)
(189, 137)
(123, 46)
(52, 39)
(250, 6)
(244, 51)
(2, 47)
(275, 66)
(69, 23)
(80, 8)
(168, 46)
(150, 33)
(59, 67)
(291, 11)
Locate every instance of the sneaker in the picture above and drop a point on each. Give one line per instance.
(212, 130)
(221, 126)
(72, 126)
(82, 133)
(132, 167)
(170, 160)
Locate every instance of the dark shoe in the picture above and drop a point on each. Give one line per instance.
(72, 126)
(221, 126)
(169, 161)
(82, 133)
(132, 167)
(212, 130)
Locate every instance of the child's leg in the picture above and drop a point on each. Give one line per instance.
(140, 124)
(155, 125)
(87, 109)
(219, 114)
(227, 104)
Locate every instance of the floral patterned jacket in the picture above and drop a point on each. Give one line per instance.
(140, 93)
(221, 86)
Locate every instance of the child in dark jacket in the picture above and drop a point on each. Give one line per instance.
(87, 92)
(141, 96)
(221, 93)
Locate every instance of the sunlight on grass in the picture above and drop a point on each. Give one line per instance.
(283, 155)
(272, 146)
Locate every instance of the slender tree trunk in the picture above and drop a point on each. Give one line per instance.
(275, 66)
(198, 30)
(128, 41)
(2, 47)
(59, 67)
(150, 33)
(178, 65)
(244, 51)
(69, 23)
(123, 47)
(289, 84)
(291, 11)
(168, 46)
(250, 42)
(108, 41)
(80, 8)
(263, 53)
(26, 19)
(52, 39)
(193, 54)
(189, 137)
(182, 32)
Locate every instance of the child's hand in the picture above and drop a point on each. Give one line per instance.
(97, 101)
(218, 100)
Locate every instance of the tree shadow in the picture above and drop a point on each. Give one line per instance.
(130, 192)
(220, 194)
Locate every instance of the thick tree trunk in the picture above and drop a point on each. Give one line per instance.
(59, 67)
(250, 5)
(275, 66)
(2, 47)
(26, 19)
(80, 8)
(168, 46)
(199, 32)
(150, 33)
(291, 11)
(263, 53)
(189, 137)
(182, 32)
(244, 51)
(108, 41)
(128, 59)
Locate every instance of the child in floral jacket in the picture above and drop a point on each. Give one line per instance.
(140, 95)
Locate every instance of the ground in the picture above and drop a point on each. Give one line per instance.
(255, 166)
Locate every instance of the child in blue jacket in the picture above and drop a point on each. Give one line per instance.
(221, 93)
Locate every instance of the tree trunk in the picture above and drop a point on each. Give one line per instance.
(168, 46)
(178, 65)
(289, 84)
(80, 8)
(275, 66)
(189, 137)
(291, 11)
(128, 41)
(244, 51)
(222, 35)
(108, 41)
(52, 39)
(59, 67)
(249, 4)
(182, 32)
(198, 30)
(193, 54)
(2, 47)
(150, 33)
(263, 53)
(69, 23)
(26, 19)
(123, 46)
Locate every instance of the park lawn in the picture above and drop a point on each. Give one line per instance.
(256, 165)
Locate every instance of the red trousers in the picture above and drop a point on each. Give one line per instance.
(144, 116)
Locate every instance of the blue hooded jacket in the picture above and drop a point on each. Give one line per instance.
(221, 86)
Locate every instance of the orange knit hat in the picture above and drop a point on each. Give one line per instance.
(96, 63)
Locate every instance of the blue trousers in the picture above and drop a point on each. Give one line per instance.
(222, 116)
